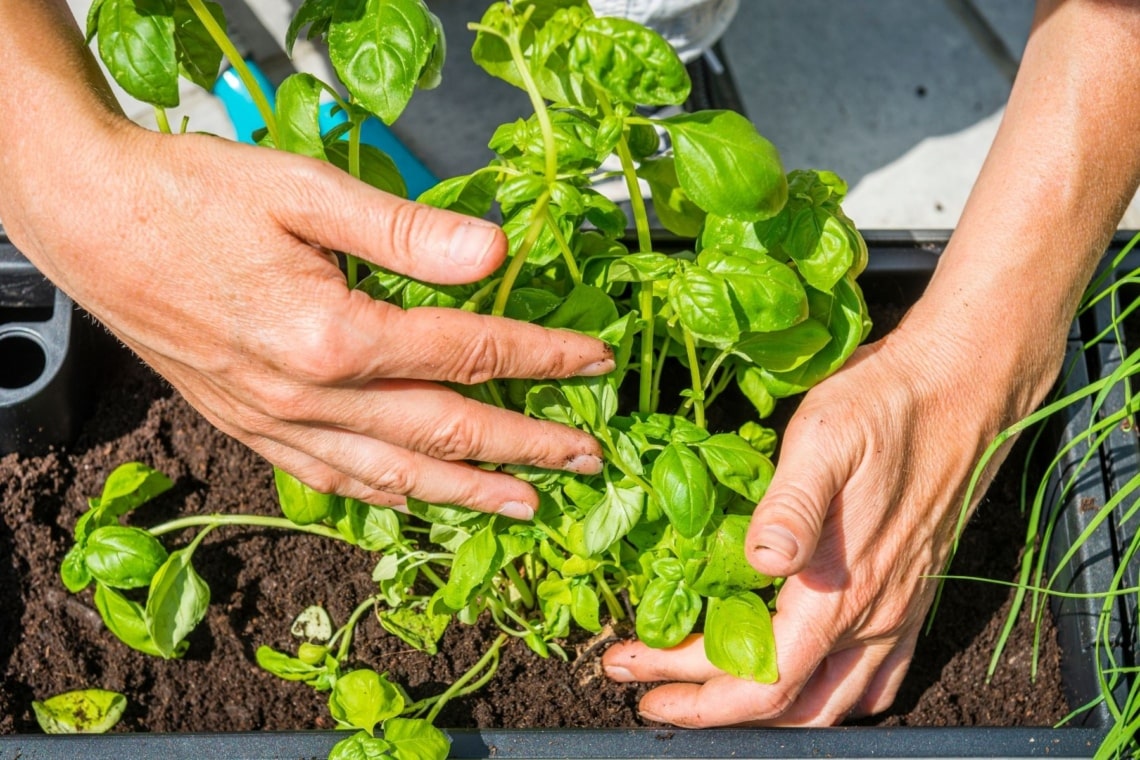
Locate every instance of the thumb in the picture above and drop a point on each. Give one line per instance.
(329, 208)
(787, 522)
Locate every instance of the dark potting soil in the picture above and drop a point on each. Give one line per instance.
(52, 641)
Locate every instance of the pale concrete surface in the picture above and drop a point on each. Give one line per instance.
(900, 97)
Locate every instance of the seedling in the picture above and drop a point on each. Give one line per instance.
(761, 304)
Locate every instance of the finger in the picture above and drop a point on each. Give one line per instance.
(880, 695)
(834, 690)
(458, 346)
(634, 661)
(443, 424)
(326, 207)
(787, 522)
(395, 470)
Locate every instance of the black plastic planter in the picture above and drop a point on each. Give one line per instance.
(47, 380)
(901, 264)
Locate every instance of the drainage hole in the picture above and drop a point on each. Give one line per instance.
(22, 361)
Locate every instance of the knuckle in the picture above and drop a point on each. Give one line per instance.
(319, 355)
(394, 480)
(479, 361)
(408, 226)
(453, 438)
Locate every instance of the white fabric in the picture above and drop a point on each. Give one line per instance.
(691, 26)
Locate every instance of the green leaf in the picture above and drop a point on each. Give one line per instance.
(73, 570)
(92, 27)
(530, 304)
(380, 48)
(361, 746)
(87, 711)
(300, 503)
(315, 14)
(725, 569)
(667, 612)
(784, 350)
(737, 465)
(471, 194)
(199, 57)
(725, 166)
(667, 428)
(369, 527)
(548, 402)
(136, 42)
(376, 166)
(127, 621)
(632, 63)
(739, 638)
(417, 625)
(290, 668)
(817, 240)
(704, 306)
(766, 295)
(475, 562)
(362, 698)
(676, 212)
(123, 557)
(176, 603)
(612, 517)
(298, 116)
(127, 487)
(586, 309)
(684, 489)
(416, 739)
(584, 607)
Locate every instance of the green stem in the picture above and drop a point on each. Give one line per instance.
(489, 662)
(347, 629)
(539, 104)
(612, 603)
(564, 247)
(698, 396)
(612, 457)
(520, 585)
(161, 120)
(258, 521)
(475, 301)
(218, 35)
(659, 371)
(537, 220)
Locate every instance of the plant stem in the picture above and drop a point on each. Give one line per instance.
(347, 629)
(218, 35)
(698, 396)
(537, 220)
(258, 521)
(612, 603)
(161, 120)
(489, 662)
(520, 585)
(564, 247)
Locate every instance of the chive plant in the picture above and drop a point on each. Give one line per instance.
(759, 303)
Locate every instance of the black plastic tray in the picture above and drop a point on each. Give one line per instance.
(901, 263)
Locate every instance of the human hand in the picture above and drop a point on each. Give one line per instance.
(211, 260)
(861, 513)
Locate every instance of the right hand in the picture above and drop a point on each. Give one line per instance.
(210, 260)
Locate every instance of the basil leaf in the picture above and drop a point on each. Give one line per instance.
(737, 465)
(123, 557)
(784, 350)
(298, 116)
(676, 212)
(300, 503)
(416, 739)
(817, 240)
(87, 711)
(704, 306)
(361, 746)
(612, 517)
(684, 489)
(176, 603)
(315, 14)
(285, 667)
(73, 570)
(584, 607)
(136, 42)
(471, 194)
(475, 562)
(667, 612)
(418, 626)
(127, 621)
(127, 487)
(199, 57)
(586, 309)
(362, 698)
(725, 166)
(766, 295)
(530, 304)
(725, 569)
(379, 49)
(631, 63)
(739, 638)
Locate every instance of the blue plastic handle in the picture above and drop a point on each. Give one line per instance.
(246, 119)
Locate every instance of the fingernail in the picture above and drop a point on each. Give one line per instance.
(584, 464)
(651, 716)
(779, 539)
(618, 673)
(604, 367)
(470, 243)
(516, 509)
